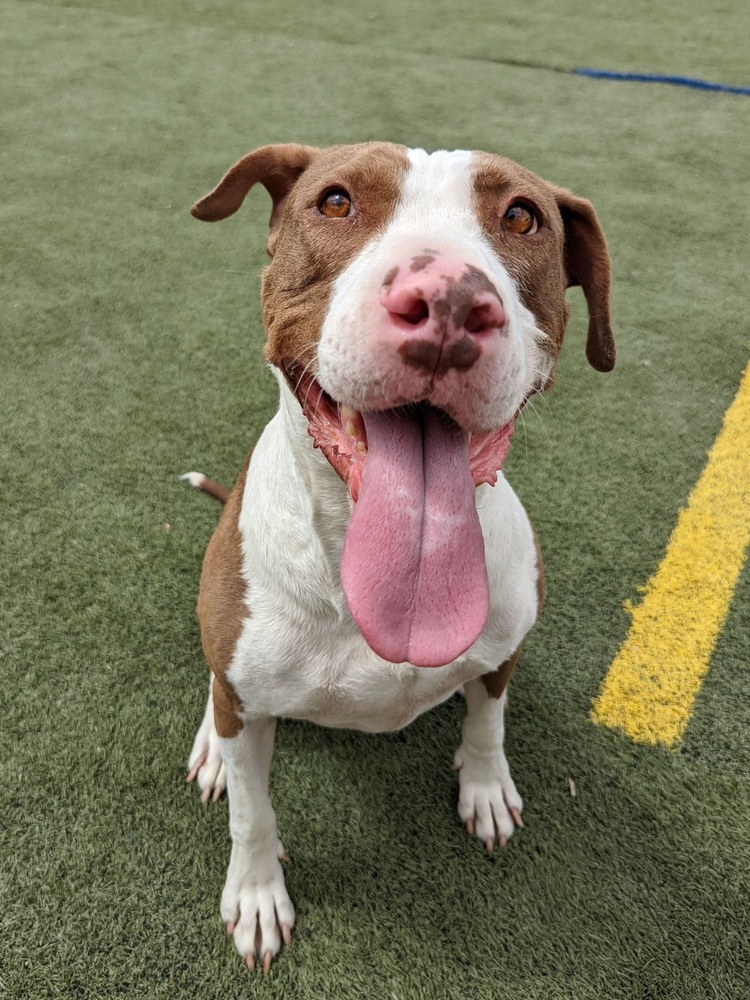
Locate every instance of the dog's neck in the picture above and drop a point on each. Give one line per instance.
(327, 497)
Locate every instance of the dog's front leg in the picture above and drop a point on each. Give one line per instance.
(254, 904)
(488, 802)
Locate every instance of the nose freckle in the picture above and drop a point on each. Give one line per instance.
(390, 277)
(421, 262)
(464, 354)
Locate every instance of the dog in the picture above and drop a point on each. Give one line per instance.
(371, 559)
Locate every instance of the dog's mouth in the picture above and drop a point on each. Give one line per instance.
(340, 432)
(412, 569)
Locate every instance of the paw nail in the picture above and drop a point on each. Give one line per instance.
(489, 845)
(250, 961)
(286, 933)
(267, 959)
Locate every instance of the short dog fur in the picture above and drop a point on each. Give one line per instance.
(371, 559)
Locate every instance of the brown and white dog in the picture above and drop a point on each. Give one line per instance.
(371, 560)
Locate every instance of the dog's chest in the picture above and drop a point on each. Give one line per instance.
(299, 653)
(325, 673)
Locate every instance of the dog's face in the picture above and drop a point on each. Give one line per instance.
(414, 302)
(400, 277)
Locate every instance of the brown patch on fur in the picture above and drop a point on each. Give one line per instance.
(276, 167)
(214, 489)
(227, 709)
(496, 682)
(222, 608)
(587, 264)
(567, 249)
(296, 287)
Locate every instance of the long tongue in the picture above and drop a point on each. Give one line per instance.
(413, 568)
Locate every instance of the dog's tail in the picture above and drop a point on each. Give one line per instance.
(201, 482)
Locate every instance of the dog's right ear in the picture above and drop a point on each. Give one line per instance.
(277, 168)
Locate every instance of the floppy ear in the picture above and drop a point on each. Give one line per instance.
(276, 167)
(587, 264)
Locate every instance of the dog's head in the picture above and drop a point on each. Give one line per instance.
(399, 277)
(417, 296)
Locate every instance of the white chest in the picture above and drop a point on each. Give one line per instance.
(322, 670)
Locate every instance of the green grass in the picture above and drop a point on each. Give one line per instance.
(131, 342)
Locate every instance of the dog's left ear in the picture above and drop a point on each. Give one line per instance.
(277, 168)
(587, 264)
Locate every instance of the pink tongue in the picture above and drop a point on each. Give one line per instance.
(413, 568)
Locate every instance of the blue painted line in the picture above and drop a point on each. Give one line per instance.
(675, 81)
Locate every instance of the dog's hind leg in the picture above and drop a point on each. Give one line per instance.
(205, 761)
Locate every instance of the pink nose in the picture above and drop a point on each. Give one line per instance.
(448, 292)
(441, 311)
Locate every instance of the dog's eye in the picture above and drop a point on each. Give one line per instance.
(520, 219)
(335, 204)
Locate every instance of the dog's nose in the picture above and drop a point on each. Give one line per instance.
(441, 309)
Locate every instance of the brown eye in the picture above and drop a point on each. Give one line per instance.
(520, 219)
(335, 204)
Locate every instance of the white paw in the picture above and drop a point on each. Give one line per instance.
(205, 762)
(488, 802)
(256, 907)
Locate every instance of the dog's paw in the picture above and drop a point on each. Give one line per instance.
(488, 802)
(205, 763)
(256, 908)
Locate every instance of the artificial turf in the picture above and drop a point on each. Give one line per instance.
(131, 341)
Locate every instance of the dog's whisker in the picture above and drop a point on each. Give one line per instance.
(304, 372)
(307, 398)
(537, 414)
(525, 435)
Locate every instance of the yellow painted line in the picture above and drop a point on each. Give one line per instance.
(652, 683)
